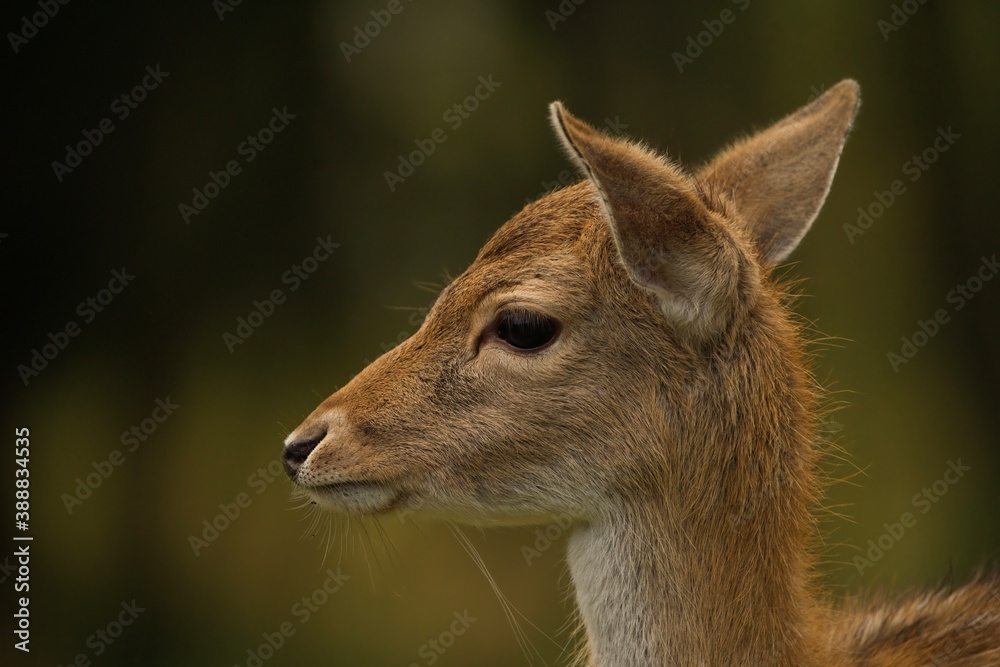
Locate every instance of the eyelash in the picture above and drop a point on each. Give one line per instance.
(525, 330)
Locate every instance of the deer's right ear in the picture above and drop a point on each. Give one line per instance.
(779, 178)
(668, 240)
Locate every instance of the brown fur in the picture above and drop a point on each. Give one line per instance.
(673, 416)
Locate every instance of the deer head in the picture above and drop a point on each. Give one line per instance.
(618, 352)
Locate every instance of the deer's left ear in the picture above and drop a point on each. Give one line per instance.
(779, 178)
(669, 241)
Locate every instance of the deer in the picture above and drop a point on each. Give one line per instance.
(624, 352)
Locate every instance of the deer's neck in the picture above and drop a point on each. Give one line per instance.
(715, 585)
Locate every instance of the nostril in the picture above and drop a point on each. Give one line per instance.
(297, 451)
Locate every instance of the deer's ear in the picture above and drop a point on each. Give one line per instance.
(778, 178)
(668, 240)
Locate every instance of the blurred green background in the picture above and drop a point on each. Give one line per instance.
(323, 176)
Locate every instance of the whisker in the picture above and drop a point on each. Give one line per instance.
(388, 546)
(509, 609)
(369, 550)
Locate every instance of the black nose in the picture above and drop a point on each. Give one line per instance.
(297, 451)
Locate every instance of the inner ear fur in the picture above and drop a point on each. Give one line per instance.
(778, 179)
(668, 240)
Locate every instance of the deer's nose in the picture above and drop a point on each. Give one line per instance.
(298, 448)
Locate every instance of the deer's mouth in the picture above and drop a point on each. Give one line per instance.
(358, 497)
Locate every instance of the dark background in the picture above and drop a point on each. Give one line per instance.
(323, 176)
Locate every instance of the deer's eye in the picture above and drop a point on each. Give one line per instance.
(525, 329)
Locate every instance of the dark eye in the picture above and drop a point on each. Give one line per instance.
(526, 330)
